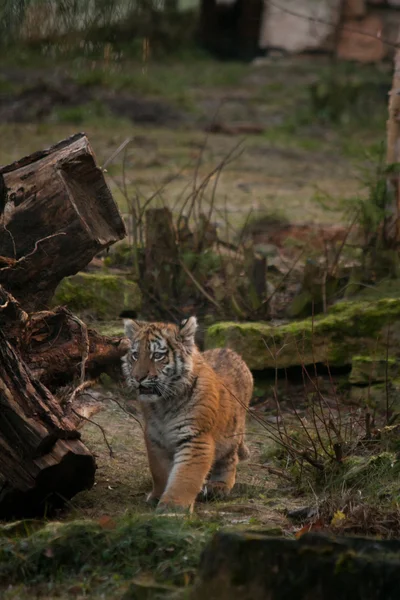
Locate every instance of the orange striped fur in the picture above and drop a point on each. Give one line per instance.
(194, 407)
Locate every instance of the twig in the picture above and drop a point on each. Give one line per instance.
(78, 390)
(387, 376)
(272, 470)
(115, 153)
(86, 346)
(199, 286)
(315, 463)
(101, 429)
(127, 412)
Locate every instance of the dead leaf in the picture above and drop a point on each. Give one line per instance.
(314, 526)
(337, 518)
(106, 522)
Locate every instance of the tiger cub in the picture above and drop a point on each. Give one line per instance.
(194, 406)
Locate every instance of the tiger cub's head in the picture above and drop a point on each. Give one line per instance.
(159, 362)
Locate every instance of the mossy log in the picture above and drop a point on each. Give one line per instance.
(317, 567)
(348, 329)
(56, 214)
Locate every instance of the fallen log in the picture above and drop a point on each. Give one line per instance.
(41, 455)
(56, 214)
(57, 347)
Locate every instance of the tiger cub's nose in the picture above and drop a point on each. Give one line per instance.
(140, 378)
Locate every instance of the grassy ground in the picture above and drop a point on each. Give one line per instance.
(282, 170)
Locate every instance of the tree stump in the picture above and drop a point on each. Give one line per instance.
(56, 214)
(162, 257)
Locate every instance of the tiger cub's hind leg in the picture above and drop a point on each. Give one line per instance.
(222, 477)
(243, 451)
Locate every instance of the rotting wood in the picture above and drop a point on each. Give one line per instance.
(56, 214)
(41, 454)
(53, 343)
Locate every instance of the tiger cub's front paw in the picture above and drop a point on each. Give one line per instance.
(152, 499)
(215, 490)
(172, 509)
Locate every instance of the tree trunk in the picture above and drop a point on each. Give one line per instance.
(391, 225)
(162, 255)
(40, 450)
(56, 214)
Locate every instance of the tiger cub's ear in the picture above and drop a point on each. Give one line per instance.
(131, 328)
(187, 331)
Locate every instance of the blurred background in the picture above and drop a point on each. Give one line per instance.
(252, 123)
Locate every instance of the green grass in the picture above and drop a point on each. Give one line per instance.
(104, 556)
(92, 112)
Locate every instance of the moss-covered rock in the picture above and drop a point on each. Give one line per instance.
(97, 296)
(109, 328)
(251, 566)
(349, 329)
(368, 369)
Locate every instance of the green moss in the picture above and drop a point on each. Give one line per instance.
(121, 254)
(371, 369)
(387, 288)
(97, 296)
(105, 555)
(109, 328)
(349, 328)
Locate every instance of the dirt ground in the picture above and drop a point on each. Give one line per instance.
(123, 480)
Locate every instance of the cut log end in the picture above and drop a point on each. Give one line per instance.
(68, 469)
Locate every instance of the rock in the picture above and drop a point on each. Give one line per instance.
(357, 40)
(354, 9)
(348, 329)
(246, 566)
(94, 296)
(377, 396)
(287, 27)
(306, 513)
(369, 369)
